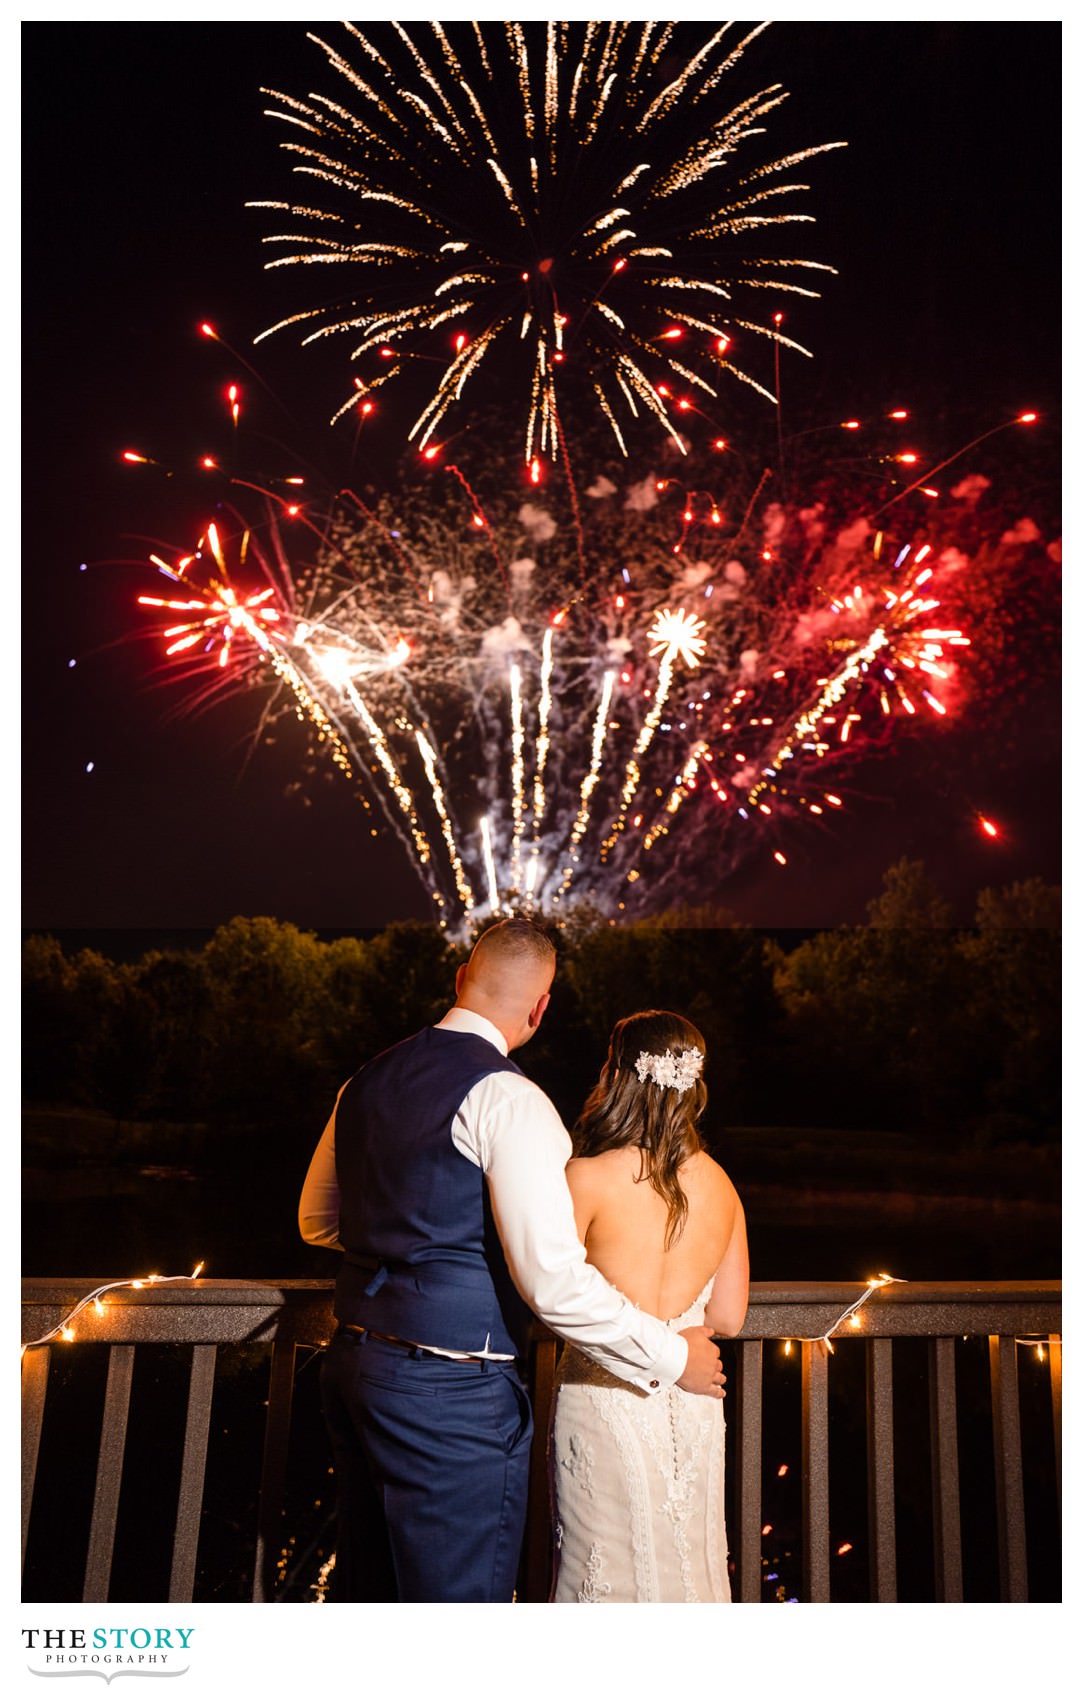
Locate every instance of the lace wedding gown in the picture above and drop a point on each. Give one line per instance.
(639, 1486)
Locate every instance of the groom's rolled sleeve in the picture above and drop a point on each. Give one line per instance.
(318, 1210)
(523, 1148)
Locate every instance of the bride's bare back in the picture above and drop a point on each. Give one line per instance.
(622, 1222)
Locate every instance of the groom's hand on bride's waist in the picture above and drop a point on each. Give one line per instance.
(703, 1371)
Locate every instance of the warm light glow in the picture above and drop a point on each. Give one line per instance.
(851, 425)
(989, 827)
(907, 459)
(847, 1546)
(1026, 418)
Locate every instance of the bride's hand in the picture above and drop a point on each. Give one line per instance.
(703, 1371)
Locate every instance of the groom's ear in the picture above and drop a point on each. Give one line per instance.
(534, 1018)
(460, 976)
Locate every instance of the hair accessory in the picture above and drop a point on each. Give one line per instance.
(669, 1069)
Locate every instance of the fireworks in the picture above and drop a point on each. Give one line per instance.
(536, 739)
(599, 226)
(594, 693)
(217, 616)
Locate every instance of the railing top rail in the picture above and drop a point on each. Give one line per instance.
(39, 1289)
(257, 1310)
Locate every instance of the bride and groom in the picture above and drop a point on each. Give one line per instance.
(444, 1178)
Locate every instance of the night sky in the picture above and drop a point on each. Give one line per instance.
(143, 141)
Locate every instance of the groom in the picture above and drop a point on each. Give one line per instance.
(440, 1172)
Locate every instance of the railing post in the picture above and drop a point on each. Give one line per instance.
(35, 1380)
(944, 1447)
(815, 1556)
(182, 1576)
(750, 1469)
(880, 1451)
(103, 1522)
(1054, 1388)
(539, 1556)
(1008, 1462)
(273, 1478)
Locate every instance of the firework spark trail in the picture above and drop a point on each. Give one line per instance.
(541, 747)
(312, 709)
(676, 797)
(684, 784)
(895, 641)
(403, 795)
(675, 635)
(462, 884)
(490, 865)
(517, 798)
(601, 727)
(429, 238)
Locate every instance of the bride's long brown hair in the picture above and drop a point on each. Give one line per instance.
(658, 1120)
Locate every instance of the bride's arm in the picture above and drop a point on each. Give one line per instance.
(578, 1176)
(728, 1303)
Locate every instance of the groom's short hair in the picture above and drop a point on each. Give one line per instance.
(515, 944)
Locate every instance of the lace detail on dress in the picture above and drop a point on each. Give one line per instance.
(594, 1589)
(641, 1482)
(579, 1462)
(636, 1490)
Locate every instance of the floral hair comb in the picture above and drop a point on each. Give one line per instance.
(670, 1069)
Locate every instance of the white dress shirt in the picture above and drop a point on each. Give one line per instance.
(509, 1128)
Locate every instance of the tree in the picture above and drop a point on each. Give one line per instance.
(49, 1022)
(909, 899)
(265, 986)
(1015, 961)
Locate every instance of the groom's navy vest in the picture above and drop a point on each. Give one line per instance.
(423, 1260)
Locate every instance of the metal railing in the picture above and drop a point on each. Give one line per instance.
(288, 1315)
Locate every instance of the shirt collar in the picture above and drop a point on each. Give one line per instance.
(460, 1020)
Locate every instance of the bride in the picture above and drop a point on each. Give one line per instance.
(639, 1477)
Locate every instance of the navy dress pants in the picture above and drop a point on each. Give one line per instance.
(431, 1460)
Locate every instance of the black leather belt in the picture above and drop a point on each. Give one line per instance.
(410, 1345)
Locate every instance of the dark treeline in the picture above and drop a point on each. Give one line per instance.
(906, 1023)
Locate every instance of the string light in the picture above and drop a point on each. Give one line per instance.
(64, 1329)
(850, 1314)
